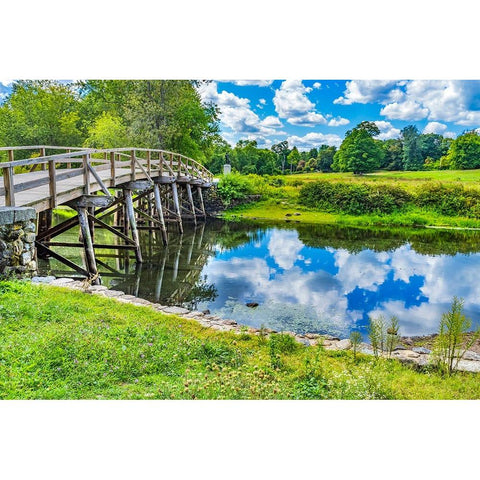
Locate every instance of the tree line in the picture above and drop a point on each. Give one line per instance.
(164, 114)
(170, 115)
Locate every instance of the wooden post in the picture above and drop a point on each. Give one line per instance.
(160, 159)
(158, 206)
(11, 156)
(132, 165)
(87, 242)
(52, 183)
(177, 206)
(148, 162)
(192, 205)
(42, 154)
(113, 183)
(9, 186)
(202, 205)
(69, 163)
(133, 224)
(86, 174)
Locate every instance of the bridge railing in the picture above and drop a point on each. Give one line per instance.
(75, 161)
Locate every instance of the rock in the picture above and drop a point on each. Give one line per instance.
(29, 237)
(297, 214)
(206, 312)
(252, 304)
(331, 338)
(343, 344)
(64, 281)
(48, 279)
(176, 310)
(421, 350)
(97, 288)
(469, 355)
(113, 293)
(312, 336)
(408, 341)
(468, 366)
(288, 214)
(399, 347)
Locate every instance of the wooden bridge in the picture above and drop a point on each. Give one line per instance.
(136, 185)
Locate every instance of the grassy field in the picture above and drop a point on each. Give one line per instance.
(61, 344)
(282, 202)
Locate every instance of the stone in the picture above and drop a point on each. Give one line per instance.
(469, 355)
(408, 341)
(206, 312)
(113, 293)
(297, 214)
(30, 227)
(7, 215)
(97, 288)
(468, 366)
(343, 344)
(176, 310)
(25, 258)
(32, 266)
(331, 338)
(421, 350)
(24, 214)
(252, 304)
(48, 279)
(29, 237)
(399, 347)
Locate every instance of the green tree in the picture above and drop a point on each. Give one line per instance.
(431, 146)
(281, 149)
(359, 152)
(294, 158)
(412, 155)
(41, 113)
(108, 131)
(464, 151)
(325, 158)
(393, 159)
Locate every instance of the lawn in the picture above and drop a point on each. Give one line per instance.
(61, 344)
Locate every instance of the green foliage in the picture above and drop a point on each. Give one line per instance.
(412, 154)
(393, 330)
(108, 131)
(233, 187)
(359, 152)
(465, 151)
(354, 199)
(451, 343)
(377, 333)
(283, 343)
(451, 200)
(355, 340)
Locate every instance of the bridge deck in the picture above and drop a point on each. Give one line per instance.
(61, 183)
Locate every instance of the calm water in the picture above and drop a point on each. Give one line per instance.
(318, 279)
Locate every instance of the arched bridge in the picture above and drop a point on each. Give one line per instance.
(164, 186)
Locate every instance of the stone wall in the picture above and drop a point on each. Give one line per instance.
(214, 205)
(17, 237)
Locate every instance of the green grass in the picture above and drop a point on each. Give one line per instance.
(61, 344)
(278, 202)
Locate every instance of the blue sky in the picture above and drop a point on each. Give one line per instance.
(309, 113)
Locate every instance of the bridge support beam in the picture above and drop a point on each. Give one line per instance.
(176, 204)
(190, 200)
(133, 224)
(159, 208)
(84, 222)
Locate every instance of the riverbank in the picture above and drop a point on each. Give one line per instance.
(60, 343)
(281, 199)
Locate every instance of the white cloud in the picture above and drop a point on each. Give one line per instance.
(271, 121)
(237, 116)
(317, 85)
(291, 102)
(262, 101)
(407, 110)
(387, 130)
(284, 248)
(337, 122)
(314, 139)
(366, 91)
(435, 127)
(258, 83)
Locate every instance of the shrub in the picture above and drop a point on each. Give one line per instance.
(354, 199)
(449, 200)
(234, 187)
(451, 344)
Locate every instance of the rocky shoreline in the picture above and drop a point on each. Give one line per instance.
(405, 352)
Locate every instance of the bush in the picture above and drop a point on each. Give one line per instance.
(234, 187)
(354, 199)
(450, 200)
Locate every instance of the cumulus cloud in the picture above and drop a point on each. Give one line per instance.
(284, 248)
(337, 122)
(387, 130)
(366, 91)
(314, 139)
(237, 116)
(317, 85)
(435, 127)
(291, 102)
(258, 83)
(407, 110)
